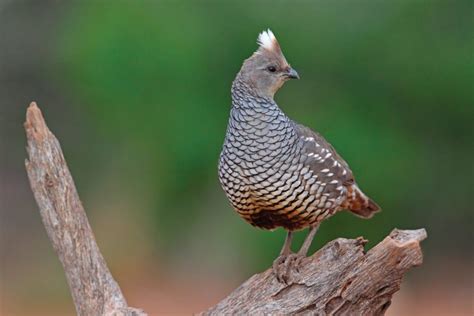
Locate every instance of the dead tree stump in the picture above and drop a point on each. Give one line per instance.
(339, 279)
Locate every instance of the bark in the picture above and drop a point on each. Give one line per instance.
(92, 286)
(339, 279)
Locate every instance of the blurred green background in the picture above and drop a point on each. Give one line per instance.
(138, 93)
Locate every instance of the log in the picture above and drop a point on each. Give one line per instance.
(339, 279)
(93, 289)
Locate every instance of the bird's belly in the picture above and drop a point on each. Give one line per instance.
(281, 195)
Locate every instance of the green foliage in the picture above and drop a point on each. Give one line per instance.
(388, 83)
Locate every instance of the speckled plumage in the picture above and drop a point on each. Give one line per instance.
(278, 173)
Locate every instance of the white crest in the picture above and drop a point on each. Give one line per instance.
(267, 40)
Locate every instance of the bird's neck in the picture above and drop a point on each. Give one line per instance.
(244, 95)
(247, 102)
(251, 110)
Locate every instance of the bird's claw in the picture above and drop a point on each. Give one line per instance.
(279, 269)
(285, 264)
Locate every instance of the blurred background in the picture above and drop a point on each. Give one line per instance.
(138, 93)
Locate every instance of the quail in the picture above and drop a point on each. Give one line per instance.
(276, 172)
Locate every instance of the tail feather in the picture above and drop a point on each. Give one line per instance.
(359, 204)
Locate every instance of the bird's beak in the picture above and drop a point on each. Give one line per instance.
(292, 74)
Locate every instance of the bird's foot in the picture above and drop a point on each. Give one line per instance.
(285, 264)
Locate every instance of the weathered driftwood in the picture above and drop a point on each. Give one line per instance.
(338, 279)
(93, 288)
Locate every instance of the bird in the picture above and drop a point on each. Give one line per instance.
(276, 172)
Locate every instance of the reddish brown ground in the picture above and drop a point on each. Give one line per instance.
(422, 294)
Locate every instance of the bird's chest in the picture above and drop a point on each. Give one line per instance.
(255, 164)
(253, 148)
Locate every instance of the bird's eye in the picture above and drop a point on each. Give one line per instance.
(271, 68)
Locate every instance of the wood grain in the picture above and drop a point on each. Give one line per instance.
(339, 279)
(92, 286)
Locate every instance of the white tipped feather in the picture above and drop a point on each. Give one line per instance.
(267, 40)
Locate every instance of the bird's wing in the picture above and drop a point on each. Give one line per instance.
(332, 171)
(322, 159)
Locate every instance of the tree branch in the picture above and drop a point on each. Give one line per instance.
(339, 279)
(93, 288)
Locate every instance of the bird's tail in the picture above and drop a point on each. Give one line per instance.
(360, 204)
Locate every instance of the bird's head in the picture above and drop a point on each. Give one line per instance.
(267, 69)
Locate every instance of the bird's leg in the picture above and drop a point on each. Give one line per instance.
(305, 247)
(287, 260)
(286, 249)
(308, 240)
(281, 274)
